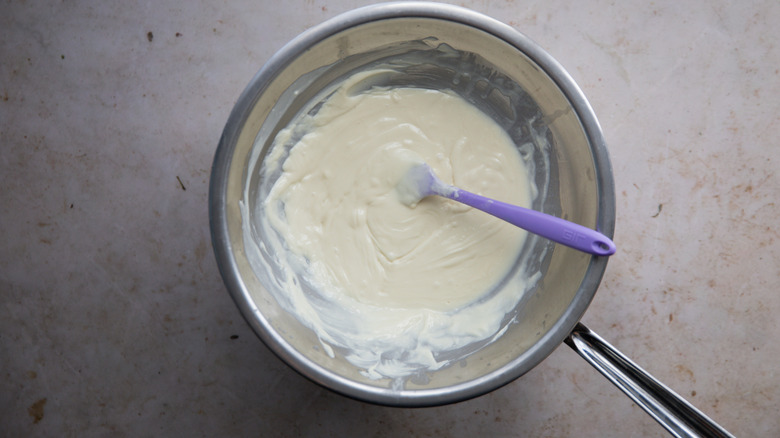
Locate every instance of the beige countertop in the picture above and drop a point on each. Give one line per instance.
(113, 317)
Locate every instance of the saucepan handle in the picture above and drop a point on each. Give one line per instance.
(673, 412)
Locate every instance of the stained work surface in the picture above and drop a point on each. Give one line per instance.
(113, 316)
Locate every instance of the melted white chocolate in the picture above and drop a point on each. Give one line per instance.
(397, 284)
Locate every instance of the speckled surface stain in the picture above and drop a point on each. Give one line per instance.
(114, 319)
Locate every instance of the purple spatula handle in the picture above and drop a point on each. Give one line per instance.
(553, 228)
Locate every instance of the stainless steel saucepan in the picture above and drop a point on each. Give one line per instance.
(524, 89)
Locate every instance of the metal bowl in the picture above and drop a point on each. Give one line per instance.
(497, 69)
